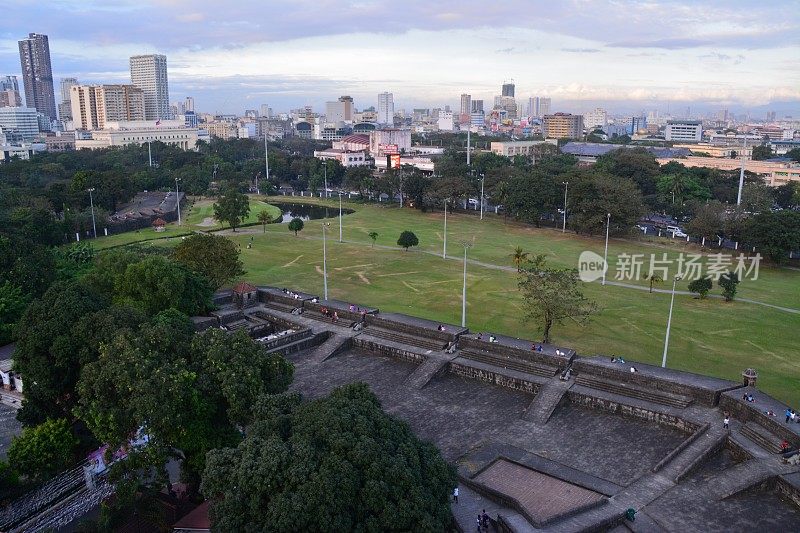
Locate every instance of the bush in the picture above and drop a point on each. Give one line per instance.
(295, 225)
(407, 239)
(701, 286)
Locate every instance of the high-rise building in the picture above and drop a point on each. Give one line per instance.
(19, 123)
(95, 105)
(65, 102)
(37, 74)
(149, 73)
(348, 107)
(386, 108)
(9, 92)
(508, 104)
(508, 89)
(595, 119)
(188, 104)
(562, 126)
(538, 106)
(339, 111)
(466, 104)
(477, 106)
(266, 112)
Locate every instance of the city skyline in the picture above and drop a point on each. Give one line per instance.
(625, 56)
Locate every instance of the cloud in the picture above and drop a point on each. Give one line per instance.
(581, 50)
(504, 50)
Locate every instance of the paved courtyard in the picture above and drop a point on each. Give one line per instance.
(9, 427)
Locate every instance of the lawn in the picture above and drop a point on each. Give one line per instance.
(708, 336)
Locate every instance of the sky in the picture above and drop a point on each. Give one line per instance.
(741, 55)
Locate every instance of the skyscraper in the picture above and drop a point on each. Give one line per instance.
(37, 74)
(386, 108)
(538, 107)
(188, 104)
(64, 105)
(477, 106)
(95, 105)
(508, 89)
(149, 73)
(9, 92)
(466, 104)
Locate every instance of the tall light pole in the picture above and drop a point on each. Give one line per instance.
(605, 254)
(669, 322)
(149, 155)
(340, 216)
(325, 225)
(482, 179)
(444, 246)
(326, 179)
(564, 224)
(266, 158)
(741, 172)
(91, 203)
(469, 129)
(178, 199)
(467, 246)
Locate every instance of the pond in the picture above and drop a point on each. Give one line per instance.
(307, 212)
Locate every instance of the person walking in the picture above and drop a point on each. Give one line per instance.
(788, 414)
(726, 421)
(455, 495)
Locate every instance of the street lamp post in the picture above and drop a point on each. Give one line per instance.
(340, 216)
(326, 179)
(482, 179)
(149, 155)
(564, 225)
(466, 246)
(669, 322)
(605, 254)
(178, 199)
(325, 225)
(266, 159)
(91, 203)
(444, 234)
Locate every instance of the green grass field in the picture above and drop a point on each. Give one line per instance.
(708, 336)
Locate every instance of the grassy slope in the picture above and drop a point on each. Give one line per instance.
(708, 336)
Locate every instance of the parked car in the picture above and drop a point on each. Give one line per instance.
(676, 231)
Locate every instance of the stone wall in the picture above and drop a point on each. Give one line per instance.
(494, 378)
(417, 331)
(665, 419)
(746, 413)
(500, 349)
(391, 351)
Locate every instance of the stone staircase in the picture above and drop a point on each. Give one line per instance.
(280, 306)
(545, 403)
(419, 342)
(512, 363)
(739, 478)
(762, 436)
(708, 441)
(633, 391)
(328, 349)
(425, 372)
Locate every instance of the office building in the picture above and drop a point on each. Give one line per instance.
(37, 74)
(523, 148)
(339, 111)
(9, 92)
(266, 111)
(93, 106)
(562, 126)
(445, 121)
(19, 123)
(596, 119)
(508, 89)
(385, 108)
(507, 104)
(538, 106)
(188, 104)
(684, 131)
(149, 73)
(389, 141)
(466, 104)
(477, 106)
(65, 99)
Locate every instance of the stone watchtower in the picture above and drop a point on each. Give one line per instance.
(749, 377)
(244, 295)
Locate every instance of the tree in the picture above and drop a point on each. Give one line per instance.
(519, 257)
(232, 207)
(156, 283)
(552, 295)
(636, 164)
(265, 218)
(757, 197)
(374, 236)
(12, 305)
(728, 283)
(701, 286)
(787, 195)
(42, 451)
(213, 257)
(593, 196)
(761, 152)
(653, 279)
(359, 178)
(773, 234)
(407, 239)
(708, 220)
(794, 154)
(295, 225)
(339, 463)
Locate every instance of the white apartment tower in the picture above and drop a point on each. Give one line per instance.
(538, 106)
(595, 119)
(386, 108)
(93, 106)
(149, 73)
(188, 104)
(466, 104)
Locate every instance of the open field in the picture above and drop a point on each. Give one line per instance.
(708, 336)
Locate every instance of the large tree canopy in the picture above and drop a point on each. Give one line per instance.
(213, 257)
(334, 464)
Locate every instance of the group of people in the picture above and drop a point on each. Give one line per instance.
(792, 417)
(536, 347)
(333, 315)
(291, 294)
(492, 338)
(483, 522)
(615, 359)
(748, 397)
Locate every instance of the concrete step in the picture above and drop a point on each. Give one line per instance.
(633, 391)
(328, 349)
(545, 403)
(738, 478)
(707, 443)
(762, 436)
(425, 372)
(512, 363)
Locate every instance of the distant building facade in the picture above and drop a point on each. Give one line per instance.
(19, 123)
(92, 106)
(37, 74)
(389, 141)
(149, 73)
(514, 148)
(562, 126)
(684, 131)
(385, 108)
(172, 132)
(65, 103)
(9, 92)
